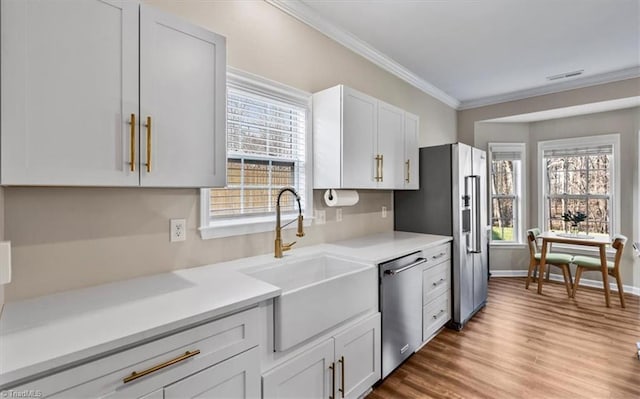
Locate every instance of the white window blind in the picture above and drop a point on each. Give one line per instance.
(506, 188)
(265, 152)
(579, 176)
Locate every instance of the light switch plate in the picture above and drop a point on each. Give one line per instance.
(339, 215)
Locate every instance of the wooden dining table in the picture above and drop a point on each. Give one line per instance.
(601, 242)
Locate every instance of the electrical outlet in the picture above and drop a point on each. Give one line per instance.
(178, 230)
(321, 217)
(339, 215)
(384, 212)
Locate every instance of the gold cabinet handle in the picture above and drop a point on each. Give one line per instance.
(381, 167)
(148, 164)
(135, 375)
(408, 179)
(342, 371)
(333, 380)
(378, 176)
(132, 144)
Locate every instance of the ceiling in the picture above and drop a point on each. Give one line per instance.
(470, 53)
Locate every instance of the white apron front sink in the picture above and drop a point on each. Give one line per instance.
(318, 293)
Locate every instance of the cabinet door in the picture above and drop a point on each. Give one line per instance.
(236, 378)
(359, 130)
(390, 146)
(358, 357)
(306, 376)
(411, 152)
(69, 85)
(183, 92)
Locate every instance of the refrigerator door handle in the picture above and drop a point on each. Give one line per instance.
(472, 188)
(477, 235)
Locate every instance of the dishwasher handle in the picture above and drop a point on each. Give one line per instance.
(393, 272)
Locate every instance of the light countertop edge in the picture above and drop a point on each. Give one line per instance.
(59, 358)
(235, 291)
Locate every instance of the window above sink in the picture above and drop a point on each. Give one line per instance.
(268, 147)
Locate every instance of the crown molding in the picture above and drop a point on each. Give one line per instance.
(578, 83)
(307, 15)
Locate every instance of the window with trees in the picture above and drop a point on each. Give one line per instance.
(507, 191)
(266, 151)
(579, 175)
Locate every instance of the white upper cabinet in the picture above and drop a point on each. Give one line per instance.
(359, 141)
(69, 85)
(390, 147)
(411, 152)
(359, 118)
(182, 92)
(70, 90)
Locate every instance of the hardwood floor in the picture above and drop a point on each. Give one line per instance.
(525, 345)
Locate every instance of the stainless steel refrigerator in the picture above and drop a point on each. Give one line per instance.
(452, 201)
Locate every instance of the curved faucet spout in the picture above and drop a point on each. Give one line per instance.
(279, 246)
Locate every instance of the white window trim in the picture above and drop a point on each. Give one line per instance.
(257, 224)
(637, 201)
(603, 139)
(512, 147)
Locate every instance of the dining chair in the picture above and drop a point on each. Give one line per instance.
(588, 263)
(553, 258)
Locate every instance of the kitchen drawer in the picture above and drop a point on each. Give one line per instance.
(435, 281)
(437, 255)
(435, 314)
(217, 340)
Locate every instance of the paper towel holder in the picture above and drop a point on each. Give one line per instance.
(333, 197)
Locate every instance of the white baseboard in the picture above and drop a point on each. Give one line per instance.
(557, 277)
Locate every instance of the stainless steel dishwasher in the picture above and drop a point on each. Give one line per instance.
(401, 307)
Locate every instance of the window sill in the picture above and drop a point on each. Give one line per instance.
(507, 245)
(237, 227)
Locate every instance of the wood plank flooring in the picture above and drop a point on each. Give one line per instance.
(525, 345)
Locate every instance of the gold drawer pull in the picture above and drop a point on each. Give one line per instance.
(148, 164)
(408, 163)
(333, 380)
(135, 376)
(378, 176)
(342, 381)
(132, 144)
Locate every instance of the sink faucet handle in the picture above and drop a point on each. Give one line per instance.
(300, 232)
(286, 247)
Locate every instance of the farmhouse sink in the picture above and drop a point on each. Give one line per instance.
(318, 293)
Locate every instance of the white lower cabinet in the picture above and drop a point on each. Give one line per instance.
(436, 290)
(343, 366)
(305, 376)
(236, 378)
(219, 359)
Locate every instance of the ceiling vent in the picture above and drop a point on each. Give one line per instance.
(566, 75)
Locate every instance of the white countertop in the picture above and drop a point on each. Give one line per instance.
(47, 332)
(54, 330)
(379, 248)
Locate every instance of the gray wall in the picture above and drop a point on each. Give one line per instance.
(66, 238)
(625, 122)
(587, 95)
